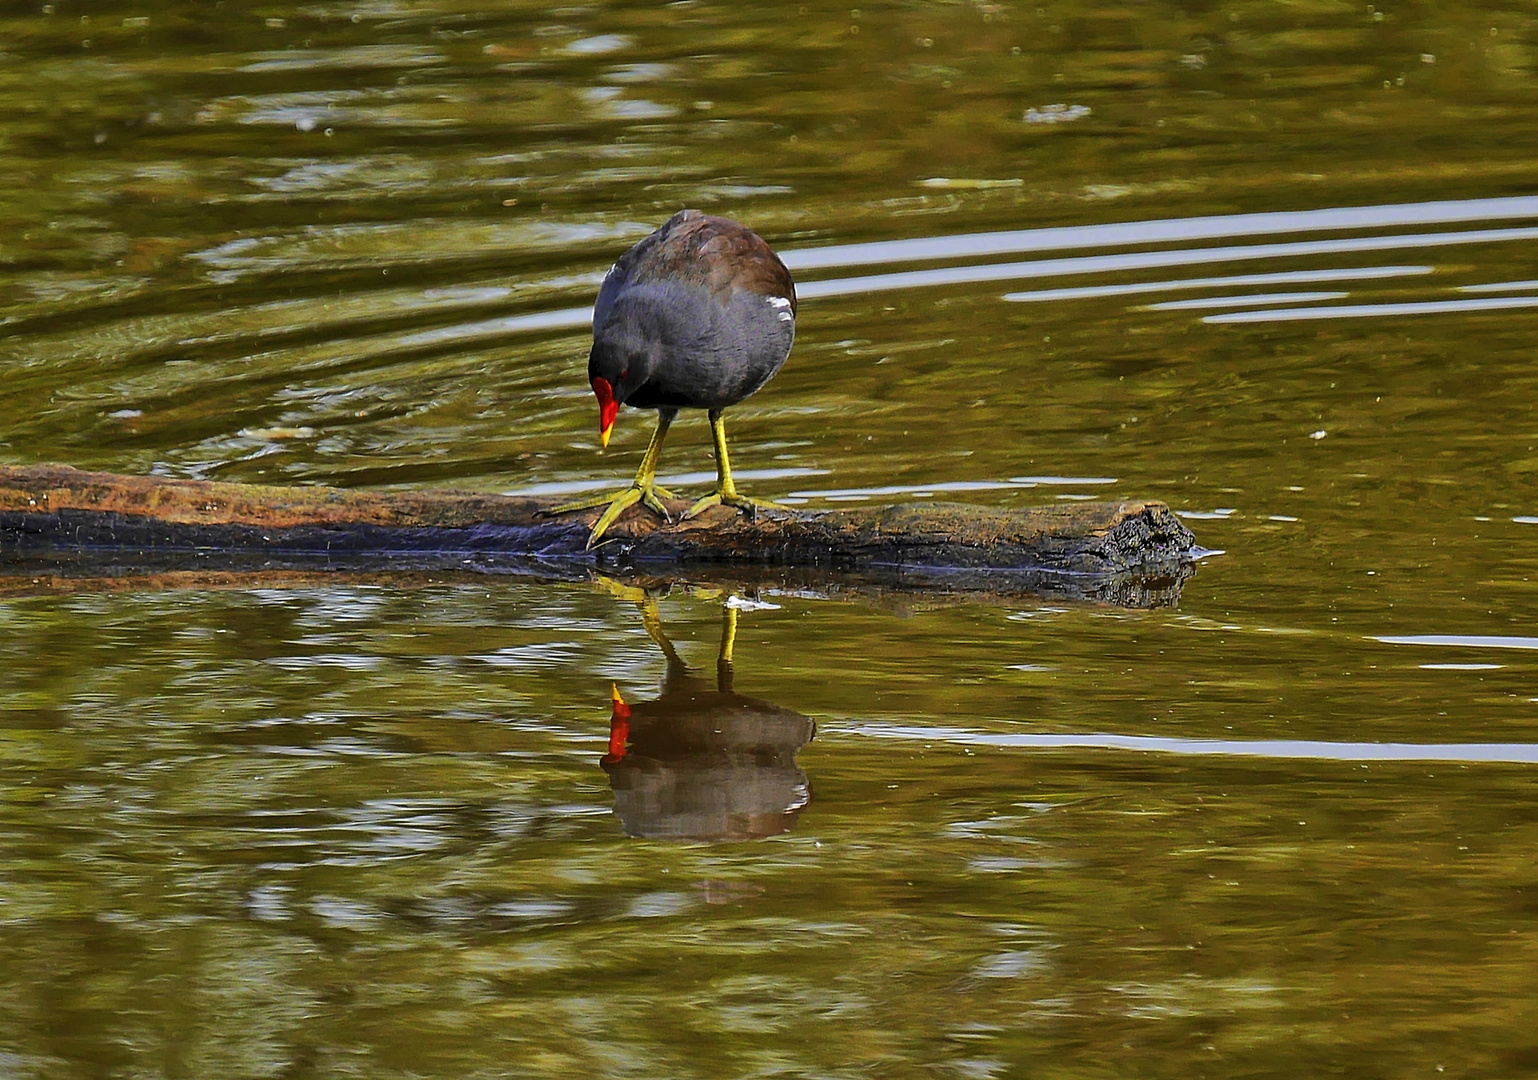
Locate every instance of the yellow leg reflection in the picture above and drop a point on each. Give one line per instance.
(724, 654)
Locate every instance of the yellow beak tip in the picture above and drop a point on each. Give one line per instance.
(614, 693)
(603, 438)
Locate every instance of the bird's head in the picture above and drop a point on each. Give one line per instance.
(616, 367)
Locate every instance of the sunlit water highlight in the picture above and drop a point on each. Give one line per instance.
(1279, 749)
(1377, 311)
(1245, 300)
(1472, 641)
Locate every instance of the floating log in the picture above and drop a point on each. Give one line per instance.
(58, 517)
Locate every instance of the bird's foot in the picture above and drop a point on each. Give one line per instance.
(730, 498)
(624, 590)
(648, 495)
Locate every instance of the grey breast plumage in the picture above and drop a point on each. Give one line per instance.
(713, 299)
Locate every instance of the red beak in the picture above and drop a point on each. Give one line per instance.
(608, 408)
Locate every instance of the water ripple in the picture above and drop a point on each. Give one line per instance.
(1173, 230)
(1278, 749)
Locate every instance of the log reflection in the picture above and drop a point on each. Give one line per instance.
(702, 762)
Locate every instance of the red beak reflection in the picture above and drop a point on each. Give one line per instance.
(619, 728)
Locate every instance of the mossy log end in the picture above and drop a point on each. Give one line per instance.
(57, 509)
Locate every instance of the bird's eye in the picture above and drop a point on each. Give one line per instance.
(624, 375)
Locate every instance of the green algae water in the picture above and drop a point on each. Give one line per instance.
(1272, 264)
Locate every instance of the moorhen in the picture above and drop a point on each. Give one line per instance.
(698, 315)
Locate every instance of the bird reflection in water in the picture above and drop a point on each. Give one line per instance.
(702, 762)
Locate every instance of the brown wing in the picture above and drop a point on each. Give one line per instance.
(714, 253)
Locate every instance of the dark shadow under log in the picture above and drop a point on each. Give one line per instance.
(55, 519)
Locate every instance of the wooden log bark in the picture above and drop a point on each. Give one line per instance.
(50, 513)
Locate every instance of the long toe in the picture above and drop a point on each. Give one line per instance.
(733, 499)
(744, 502)
(651, 502)
(580, 504)
(652, 497)
(622, 502)
(713, 499)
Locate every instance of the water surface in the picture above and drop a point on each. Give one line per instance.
(1271, 264)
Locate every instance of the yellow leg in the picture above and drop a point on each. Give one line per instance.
(726, 491)
(643, 489)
